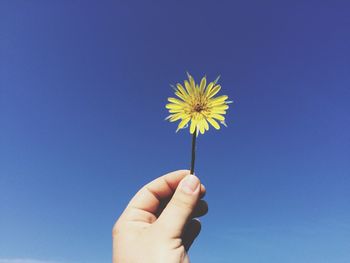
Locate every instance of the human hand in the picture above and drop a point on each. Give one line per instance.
(158, 224)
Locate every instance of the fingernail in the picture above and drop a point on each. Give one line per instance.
(190, 184)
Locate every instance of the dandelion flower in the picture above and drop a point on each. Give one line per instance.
(196, 105)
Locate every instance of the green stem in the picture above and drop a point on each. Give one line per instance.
(193, 150)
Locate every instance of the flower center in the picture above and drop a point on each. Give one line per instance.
(198, 108)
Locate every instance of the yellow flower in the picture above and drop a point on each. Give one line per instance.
(196, 104)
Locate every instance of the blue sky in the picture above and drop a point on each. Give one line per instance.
(83, 86)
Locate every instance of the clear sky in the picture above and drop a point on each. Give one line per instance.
(83, 85)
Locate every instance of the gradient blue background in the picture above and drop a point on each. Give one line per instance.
(83, 88)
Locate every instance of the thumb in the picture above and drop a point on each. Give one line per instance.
(179, 209)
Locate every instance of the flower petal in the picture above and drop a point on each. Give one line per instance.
(223, 123)
(178, 110)
(176, 101)
(217, 79)
(188, 88)
(192, 83)
(220, 107)
(168, 117)
(193, 125)
(218, 111)
(181, 96)
(205, 124)
(200, 126)
(213, 123)
(215, 90)
(183, 123)
(202, 85)
(173, 106)
(208, 89)
(176, 117)
(181, 89)
(217, 116)
(218, 100)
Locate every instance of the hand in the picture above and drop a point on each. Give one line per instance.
(158, 225)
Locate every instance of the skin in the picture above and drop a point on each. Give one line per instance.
(159, 225)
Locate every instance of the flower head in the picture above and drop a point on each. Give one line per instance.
(197, 105)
